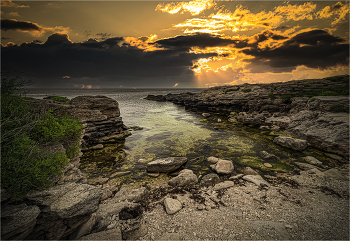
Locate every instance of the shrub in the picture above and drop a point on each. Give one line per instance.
(286, 97)
(339, 108)
(328, 93)
(313, 99)
(73, 150)
(271, 95)
(275, 87)
(229, 90)
(306, 85)
(346, 79)
(246, 90)
(59, 98)
(333, 78)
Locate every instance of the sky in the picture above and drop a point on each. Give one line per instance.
(189, 44)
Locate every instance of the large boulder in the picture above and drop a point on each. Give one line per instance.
(166, 164)
(172, 205)
(223, 167)
(83, 199)
(186, 177)
(281, 121)
(17, 221)
(209, 180)
(295, 144)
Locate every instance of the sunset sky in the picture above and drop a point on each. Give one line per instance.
(127, 44)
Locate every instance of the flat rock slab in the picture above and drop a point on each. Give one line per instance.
(131, 195)
(267, 228)
(257, 180)
(295, 144)
(222, 185)
(186, 177)
(172, 206)
(306, 166)
(313, 161)
(223, 167)
(166, 164)
(111, 234)
(209, 180)
(267, 155)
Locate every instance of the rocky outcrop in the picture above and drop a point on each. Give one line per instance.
(295, 144)
(99, 115)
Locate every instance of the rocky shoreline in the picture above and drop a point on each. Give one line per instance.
(312, 203)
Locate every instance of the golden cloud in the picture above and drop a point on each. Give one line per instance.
(193, 7)
(12, 4)
(339, 10)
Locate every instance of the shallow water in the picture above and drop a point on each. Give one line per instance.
(171, 130)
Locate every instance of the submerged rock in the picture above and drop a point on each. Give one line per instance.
(295, 144)
(166, 164)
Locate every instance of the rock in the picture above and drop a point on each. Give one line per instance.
(186, 177)
(257, 180)
(267, 155)
(166, 164)
(313, 161)
(306, 166)
(209, 180)
(219, 120)
(169, 236)
(98, 181)
(236, 177)
(156, 98)
(205, 114)
(249, 171)
(18, 221)
(295, 144)
(97, 147)
(335, 174)
(142, 160)
(83, 199)
(119, 174)
(172, 206)
(213, 159)
(270, 177)
(106, 193)
(112, 234)
(281, 121)
(264, 128)
(131, 195)
(136, 233)
(153, 174)
(333, 156)
(84, 228)
(201, 207)
(223, 166)
(232, 119)
(275, 128)
(222, 185)
(4, 195)
(267, 165)
(50, 195)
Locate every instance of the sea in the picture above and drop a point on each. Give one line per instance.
(170, 130)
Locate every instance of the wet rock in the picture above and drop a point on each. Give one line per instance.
(98, 181)
(333, 156)
(313, 161)
(18, 221)
(257, 180)
(236, 177)
(223, 185)
(213, 159)
(295, 144)
(153, 174)
(249, 171)
(281, 121)
(160, 98)
(172, 206)
(205, 114)
(186, 177)
(112, 234)
(83, 199)
(209, 180)
(223, 166)
(268, 165)
(306, 166)
(264, 128)
(267, 155)
(119, 174)
(232, 119)
(131, 195)
(97, 147)
(166, 164)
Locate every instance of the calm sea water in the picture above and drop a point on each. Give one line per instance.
(170, 130)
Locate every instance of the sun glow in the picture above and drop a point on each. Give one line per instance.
(193, 7)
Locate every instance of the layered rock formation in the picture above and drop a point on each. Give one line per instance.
(295, 106)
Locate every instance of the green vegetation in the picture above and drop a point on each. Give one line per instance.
(246, 90)
(275, 87)
(28, 98)
(306, 85)
(286, 97)
(313, 99)
(339, 108)
(333, 78)
(271, 95)
(25, 133)
(59, 98)
(229, 90)
(325, 92)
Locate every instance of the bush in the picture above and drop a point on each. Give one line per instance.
(306, 85)
(286, 97)
(271, 95)
(312, 100)
(328, 93)
(275, 87)
(246, 90)
(339, 108)
(229, 90)
(24, 167)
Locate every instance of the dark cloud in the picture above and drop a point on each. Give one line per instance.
(119, 64)
(12, 24)
(314, 37)
(198, 40)
(314, 49)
